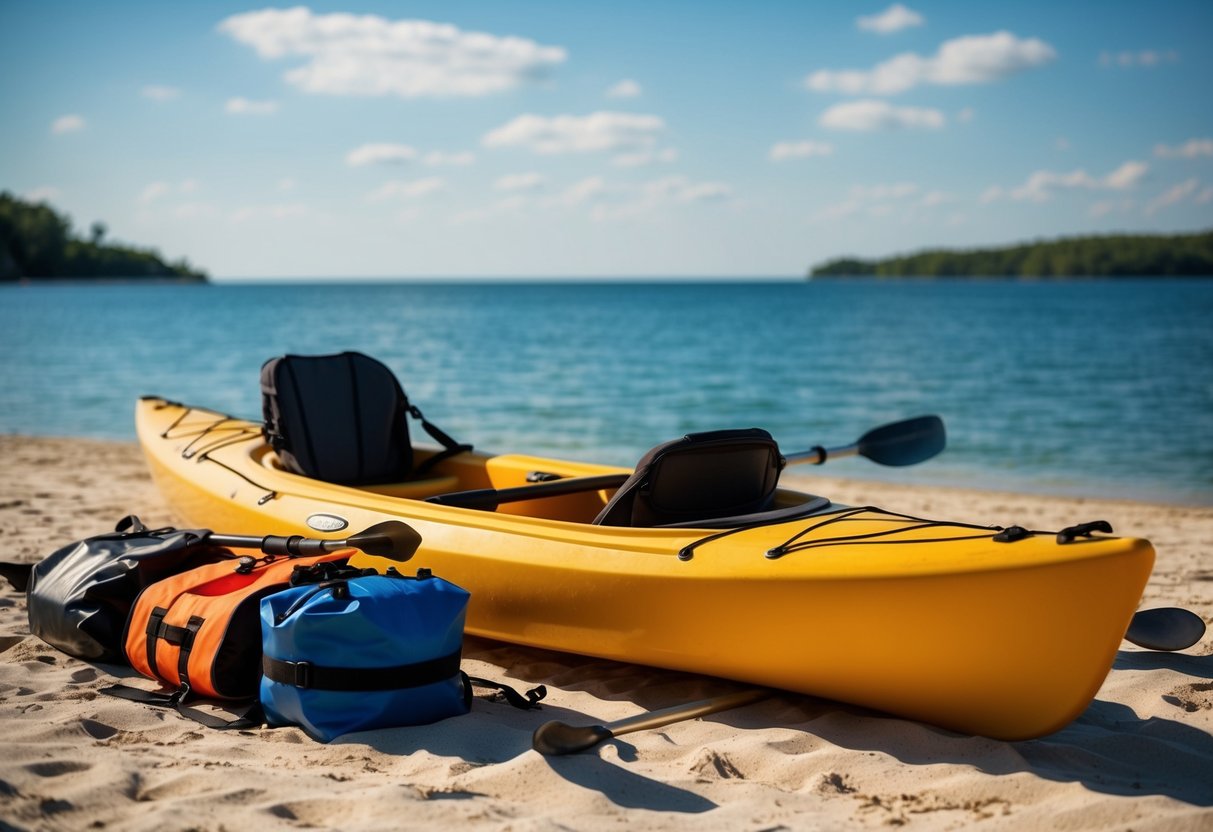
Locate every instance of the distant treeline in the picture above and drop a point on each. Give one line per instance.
(1121, 255)
(37, 243)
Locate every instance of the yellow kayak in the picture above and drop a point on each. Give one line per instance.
(983, 631)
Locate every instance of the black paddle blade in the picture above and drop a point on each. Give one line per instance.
(389, 539)
(1166, 628)
(904, 443)
(556, 738)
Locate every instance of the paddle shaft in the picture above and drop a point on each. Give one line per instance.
(691, 710)
(818, 455)
(391, 538)
(557, 738)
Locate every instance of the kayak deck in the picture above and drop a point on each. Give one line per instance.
(932, 620)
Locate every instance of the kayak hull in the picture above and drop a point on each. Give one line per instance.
(932, 621)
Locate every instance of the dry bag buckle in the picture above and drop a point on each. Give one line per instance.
(303, 674)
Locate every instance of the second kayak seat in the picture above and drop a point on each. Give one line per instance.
(712, 479)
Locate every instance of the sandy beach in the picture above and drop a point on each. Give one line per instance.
(1140, 757)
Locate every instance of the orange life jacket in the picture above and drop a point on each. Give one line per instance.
(200, 630)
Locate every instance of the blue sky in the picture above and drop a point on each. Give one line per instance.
(605, 139)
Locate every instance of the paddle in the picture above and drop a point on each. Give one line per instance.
(556, 738)
(389, 539)
(1166, 629)
(907, 442)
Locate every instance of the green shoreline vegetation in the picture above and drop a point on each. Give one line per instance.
(1120, 255)
(37, 244)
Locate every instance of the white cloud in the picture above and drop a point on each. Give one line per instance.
(903, 200)
(1173, 195)
(521, 182)
(626, 88)
(683, 191)
(436, 158)
(287, 184)
(577, 134)
(586, 190)
(44, 193)
(1190, 149)
(877, 200)
(67, 124)
(1204, 197)
(631, 200)
(1109, 206)
(1041, 185)
(368, 55)
(614, 201)
(154, 191)
(380, 153)
(240, 106)
(159, 92)
(410, 189)
(781, 151)
(641, 158)
(971, 59)
(1062, 143)
(893, 19)
(1148, 58)
(869, 114)
(965, 115)
(933, 198)
(1125, 176)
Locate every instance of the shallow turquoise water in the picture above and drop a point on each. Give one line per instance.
(1092, 387)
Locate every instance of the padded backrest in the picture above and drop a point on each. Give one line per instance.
(338, 418)
(700, 477)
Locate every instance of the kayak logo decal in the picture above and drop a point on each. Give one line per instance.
(327, 522)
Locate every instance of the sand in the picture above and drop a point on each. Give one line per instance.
(1140, 757)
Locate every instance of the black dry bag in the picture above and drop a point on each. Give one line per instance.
(80, 596)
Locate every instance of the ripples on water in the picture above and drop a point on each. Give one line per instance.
(1093, 387)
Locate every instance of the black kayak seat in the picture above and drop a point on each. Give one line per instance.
(698, 478)
(343, 418)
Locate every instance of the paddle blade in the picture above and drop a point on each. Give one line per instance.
(1165, 628)
(556, 738)
(390, 539)
(904, 443)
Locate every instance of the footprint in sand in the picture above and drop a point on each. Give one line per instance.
(1192, 698)
(713, 766)
(98, 730)
(57, 768)
(86, 674)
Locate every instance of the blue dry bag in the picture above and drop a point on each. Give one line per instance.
(369, 652)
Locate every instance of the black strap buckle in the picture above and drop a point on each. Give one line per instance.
(1069, 535)
(1011, 534)
(303, 674)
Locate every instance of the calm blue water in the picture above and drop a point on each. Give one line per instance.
(1089, 388)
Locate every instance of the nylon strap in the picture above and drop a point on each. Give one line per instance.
(322, 677)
